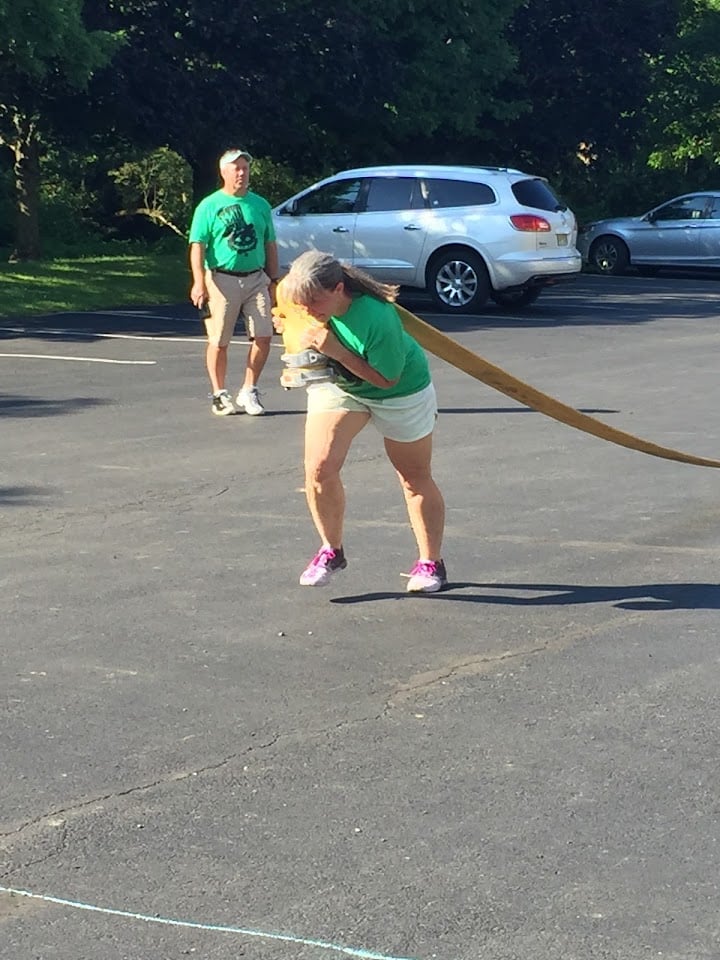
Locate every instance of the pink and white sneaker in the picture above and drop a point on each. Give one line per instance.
(323, 565)
(427, 576)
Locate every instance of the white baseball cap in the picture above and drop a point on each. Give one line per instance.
(230, 156)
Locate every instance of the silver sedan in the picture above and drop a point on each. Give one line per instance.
(684, 232)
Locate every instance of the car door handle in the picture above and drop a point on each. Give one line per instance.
(340, 230)
(412, 226)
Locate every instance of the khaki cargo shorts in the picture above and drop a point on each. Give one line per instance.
(230, 296)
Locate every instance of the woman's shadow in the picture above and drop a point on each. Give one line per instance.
(645, 596)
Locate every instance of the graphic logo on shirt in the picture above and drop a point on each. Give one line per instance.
(240, 234)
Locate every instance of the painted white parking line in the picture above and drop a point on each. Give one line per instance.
(50, 331)
(90, 335)
(52, 356)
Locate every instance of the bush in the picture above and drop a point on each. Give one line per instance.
(275, 181)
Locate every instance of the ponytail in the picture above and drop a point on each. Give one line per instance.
(313, 271)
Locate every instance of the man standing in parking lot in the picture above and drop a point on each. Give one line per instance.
(234, 263)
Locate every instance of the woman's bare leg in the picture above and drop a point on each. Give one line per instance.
(425, 504)
(327, 440)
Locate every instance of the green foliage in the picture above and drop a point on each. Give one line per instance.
(46, 52)
(614, 100)
(157, 185)
(44, 39)
(311, 84)
(276, 181)
(69, 204)
(684, 107)
(66, 220)
(619, 188)
(583, 71)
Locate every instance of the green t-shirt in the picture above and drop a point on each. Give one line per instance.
(233, 229)
(372, 328)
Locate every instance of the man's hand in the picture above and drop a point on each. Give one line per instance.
(199, 294)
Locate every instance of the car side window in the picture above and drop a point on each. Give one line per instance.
(714, 210)
(458, 193)
(393, 193)
(686, 208)
(337, 197)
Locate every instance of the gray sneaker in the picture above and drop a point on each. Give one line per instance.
(222, 405)
(249, 400)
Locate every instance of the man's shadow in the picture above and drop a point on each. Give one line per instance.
(645, 596)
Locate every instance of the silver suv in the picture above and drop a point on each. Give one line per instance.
(462, 233)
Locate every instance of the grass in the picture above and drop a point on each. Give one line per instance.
(92, 283)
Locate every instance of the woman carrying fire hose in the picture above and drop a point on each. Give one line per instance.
(386, 380)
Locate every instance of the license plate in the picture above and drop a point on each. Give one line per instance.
(562, 239)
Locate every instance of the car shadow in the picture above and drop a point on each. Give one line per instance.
(647, 596)
(177, 320)
(12, 405)
(624, 301)
(25, 496)
(573, 302)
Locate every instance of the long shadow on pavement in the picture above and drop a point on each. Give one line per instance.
(12, 405)
(25, 496)
(647, 596)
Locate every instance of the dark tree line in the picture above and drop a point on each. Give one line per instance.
(602, 96)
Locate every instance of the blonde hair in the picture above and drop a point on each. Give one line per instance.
(314, 272)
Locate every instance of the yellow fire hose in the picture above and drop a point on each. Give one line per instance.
(295, 319)
(448, 349)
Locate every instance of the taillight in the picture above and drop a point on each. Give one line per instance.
(529, 223)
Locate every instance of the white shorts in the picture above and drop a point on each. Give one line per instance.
(404, 419)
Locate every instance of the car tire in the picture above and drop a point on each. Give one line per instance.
(509, 299)
(610, 256)
(458, 281)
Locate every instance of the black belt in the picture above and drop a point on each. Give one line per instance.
(237, 273)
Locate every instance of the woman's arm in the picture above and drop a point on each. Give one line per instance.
(322, 338)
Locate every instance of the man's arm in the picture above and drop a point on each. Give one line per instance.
(272, 267)
(198, 291)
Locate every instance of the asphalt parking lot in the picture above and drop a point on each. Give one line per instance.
(201, 758)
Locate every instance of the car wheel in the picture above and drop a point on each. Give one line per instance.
(458, 281)
(508, 299)
(609, 255)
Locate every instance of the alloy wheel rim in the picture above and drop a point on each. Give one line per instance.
(606, 257)
(456, 283)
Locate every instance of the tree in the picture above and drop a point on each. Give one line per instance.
(313, 83)
(685, 104)
(158, 186)
(46, 52)
(584, 74)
